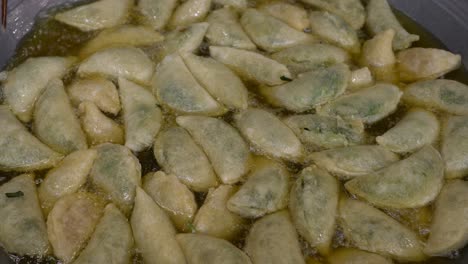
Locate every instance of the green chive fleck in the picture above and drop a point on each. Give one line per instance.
(14, 194)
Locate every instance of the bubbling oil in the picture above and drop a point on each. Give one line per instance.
(52, 38)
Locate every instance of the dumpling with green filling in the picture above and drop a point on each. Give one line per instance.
(173, 197)
(219, 81)
(117, 172)
(352, 161)
(203, 249)
(273, 239)
(251, 65)
(446, 95)
(127, 62)
(141, 114)
(55, 122)
(310, 89)
(178, 154)
(265, 191)
(97, 90)
(308, 57)
(98, 127)
(69, 175)
(22, 229)
(214, 218)
(189, 12)
(449, 228)
(454, 147)
(226, 30)
(377, 54)
(111, 242)
(424, 63)
(97, 15)
(352, 11)
(269, 134)
(371, 230)
(25, 83)
(324, 132)
(270, 33)
(417, 129)
(126, 35)
(156, 13)
(293, 15)
(226, 149)
(313, 205)
(368, 105)
(356, 256)
(154, 233)
(19, 149)
(410, 183)
(380, 17)
(237, 4)
(335, 30)
(176, 88)
(71, 223)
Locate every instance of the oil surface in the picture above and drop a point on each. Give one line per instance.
(51, 38)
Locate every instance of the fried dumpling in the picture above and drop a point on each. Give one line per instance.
(335, 30)
(111, 241)
(189, 12)
(324, 132)
(368, 105)
(25, 83)
(98, 127)
(141, 114)
(127, 35)
(371, 230)
(310, 89)
(214, 218)
(176, 88)
(265, 191)
(225, 30)
(183, 40)
(237, 4)
(117, 172)
(360, 78)
(154, 233)
(270, 33)
(156, 13)
(455, 146)
(97, 90)
(352, 11)
(71, 223)
(226, 149)
(356, 256)
(417, 129)
(308, 57)
(203, 249)
(251, 65)
(178, 154)
(219, 81)
(293, 15)
(423, 63)
(353, 161)
(449, 228)
(446, 95)
(269, 134)
(273, 239)
(410, 183)
(97, 15)
(377, 54)
(69, 175)
(55, 122)
(19, 149)
(172, 196)
(22, 229)
(127, 62)
(380, 17)
(313, 205)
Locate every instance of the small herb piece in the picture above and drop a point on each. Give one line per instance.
(284, 78)
(14, 194)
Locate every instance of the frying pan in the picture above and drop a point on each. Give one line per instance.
(445, 20)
